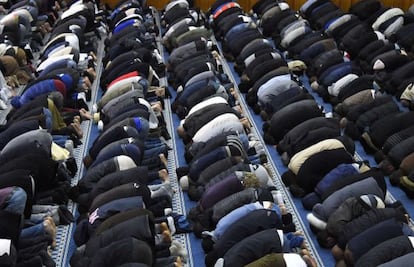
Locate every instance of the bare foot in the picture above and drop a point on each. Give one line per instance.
(92, 54)
(166, 236)
(163, 160)
(163, 174)
(304, 252)
(238, 108)
(157, 107)
(164, 227)
(310, 262)
(12, 81)
(47, 27)
(178, 262)
(57, 7)
(86, 115)
(77, 129)
(234, 93)
(87, 82)
(246, 124)
(77, 119)
(160, 91)
(50, 228)
(283, 209)
(92, 72)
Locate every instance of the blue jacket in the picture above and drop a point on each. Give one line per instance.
(336, 174)
(39, 88)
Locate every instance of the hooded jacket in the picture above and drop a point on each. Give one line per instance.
(330, 204)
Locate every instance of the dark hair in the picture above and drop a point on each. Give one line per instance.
(325, 240)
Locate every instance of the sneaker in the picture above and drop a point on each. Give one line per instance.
(50, 229)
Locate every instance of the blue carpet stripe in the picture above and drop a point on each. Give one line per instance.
(64, 236)
(271, 166)
(178, 201)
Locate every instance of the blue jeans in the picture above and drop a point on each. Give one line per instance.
(155, 151)
(245, 140)
(32, 231)
(48, 119)
(17, 201)
(152, 142)
(60, 140)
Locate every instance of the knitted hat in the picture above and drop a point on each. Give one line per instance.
(260, 172)
(373, 201)
(250, 180)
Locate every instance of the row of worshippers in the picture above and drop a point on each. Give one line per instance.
(349, 200)
(361, 88)
(42, 128)
(24, 26)
(125, 197)
(239, 213)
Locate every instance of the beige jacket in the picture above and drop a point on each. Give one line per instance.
(299, 158)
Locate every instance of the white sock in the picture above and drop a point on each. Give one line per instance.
(167, 211)
(171, 225)
(176, 249)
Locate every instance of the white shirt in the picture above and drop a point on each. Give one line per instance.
(223, 123)
(205, 103)
(335, 88)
